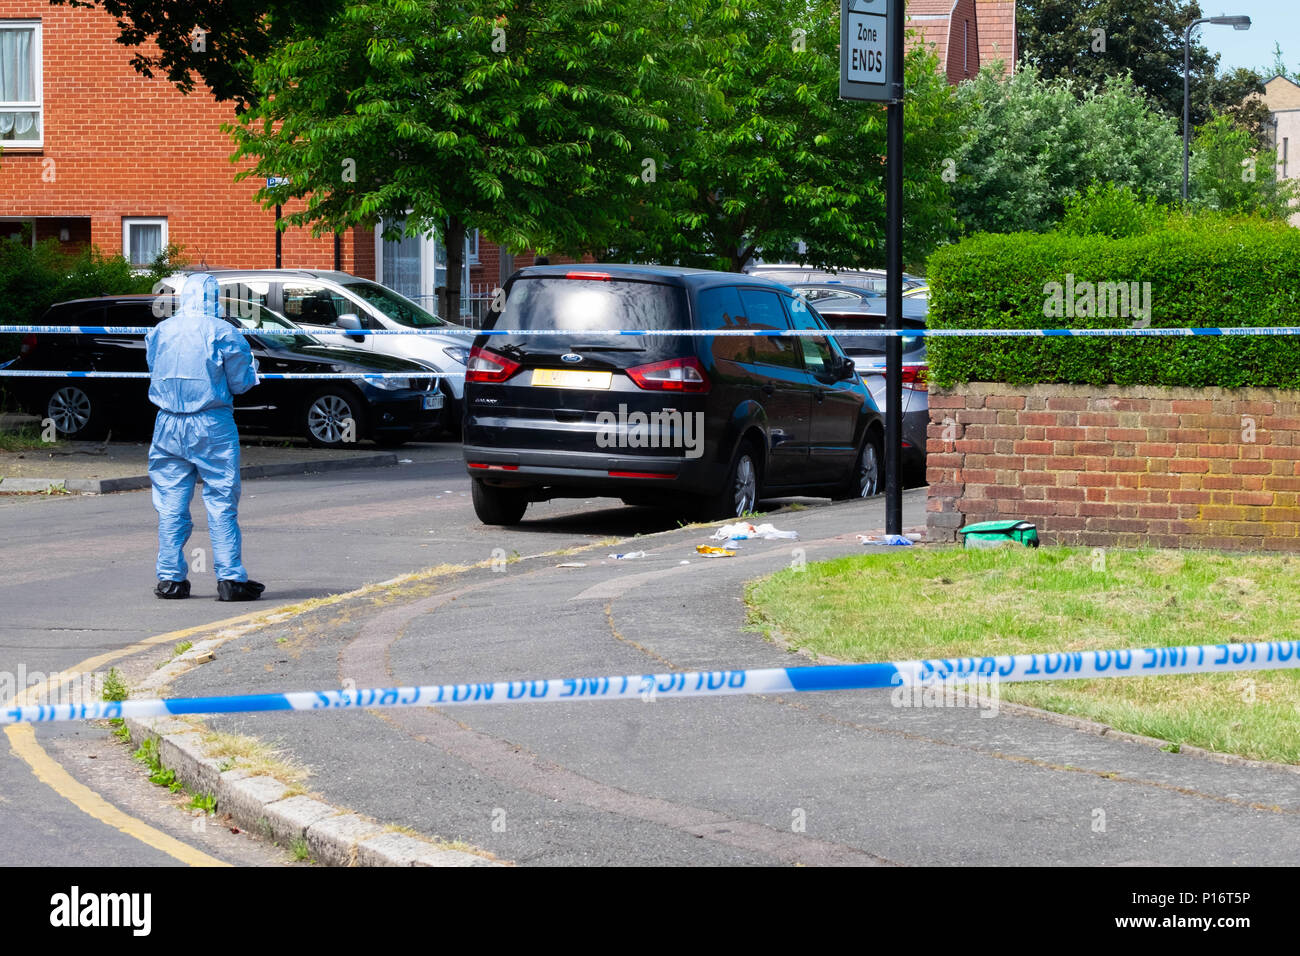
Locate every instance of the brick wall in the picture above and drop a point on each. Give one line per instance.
(1124, 466)
(119, 145)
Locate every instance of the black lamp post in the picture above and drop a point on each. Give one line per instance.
(1237, 23)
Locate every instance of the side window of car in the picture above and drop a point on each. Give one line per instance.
(314, 304)
(721, 309)
(133, 314)
(819, 351)
(243, 299)
(763, 310)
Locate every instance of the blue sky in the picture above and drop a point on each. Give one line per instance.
(1272, 21)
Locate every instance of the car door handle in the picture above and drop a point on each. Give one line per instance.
(821, 395)
(769, 390)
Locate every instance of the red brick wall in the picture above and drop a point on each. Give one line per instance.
(1125, 466)
(123, 145)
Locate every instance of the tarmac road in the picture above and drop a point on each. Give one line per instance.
(839, 778)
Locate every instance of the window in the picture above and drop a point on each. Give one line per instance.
(314, 305)
(763, 310)
(471, 247)
(19, 230)
(21, 120)
(143, 240)
(818, 351)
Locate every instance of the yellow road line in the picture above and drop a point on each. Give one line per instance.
(22, 739)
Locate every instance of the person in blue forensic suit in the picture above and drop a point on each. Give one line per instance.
(198, 362)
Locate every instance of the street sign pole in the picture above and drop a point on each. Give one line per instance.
(871, 68)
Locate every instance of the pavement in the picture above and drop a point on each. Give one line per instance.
(106, 467)
(840, 777)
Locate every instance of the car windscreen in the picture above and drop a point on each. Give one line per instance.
(586, 307)
(394, 305)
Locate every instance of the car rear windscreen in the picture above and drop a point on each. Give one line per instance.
(588, 307)
(860, 344)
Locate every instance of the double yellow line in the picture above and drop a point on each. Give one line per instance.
(22, 741)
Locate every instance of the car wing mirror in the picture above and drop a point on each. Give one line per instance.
(351, 324)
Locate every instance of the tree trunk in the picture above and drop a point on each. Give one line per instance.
(454, 241)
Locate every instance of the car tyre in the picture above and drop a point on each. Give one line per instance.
(867, 478)
(739, 493)
(325, 415)
(493, 505)
(78, 414)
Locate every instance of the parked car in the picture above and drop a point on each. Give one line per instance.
(388, 411)
(870, 280)
(705, 424)
(861, 313)
(339, 308)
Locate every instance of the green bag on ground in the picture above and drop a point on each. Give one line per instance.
(996, 534)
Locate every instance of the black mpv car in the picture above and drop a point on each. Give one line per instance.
(389, 411)
(708, 424)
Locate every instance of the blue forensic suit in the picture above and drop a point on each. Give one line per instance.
(198, 362)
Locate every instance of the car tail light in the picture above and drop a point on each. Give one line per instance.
(598, 276)
(916, 377)
(486, 467)
(485, 365)
(673, 375)
(28, 346)
(640, 474)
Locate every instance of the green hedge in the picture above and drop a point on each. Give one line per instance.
(1204, 271)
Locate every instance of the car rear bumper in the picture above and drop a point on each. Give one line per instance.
(568, 472)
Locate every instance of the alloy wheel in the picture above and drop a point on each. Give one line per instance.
(744, 488)
(69, 407)
(328, 419)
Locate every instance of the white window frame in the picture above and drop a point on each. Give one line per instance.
(128, 222)
(11, 145)
(471, 247)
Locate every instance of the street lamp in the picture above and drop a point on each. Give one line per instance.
(1237, 23)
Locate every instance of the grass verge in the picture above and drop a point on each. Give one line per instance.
(925, 603)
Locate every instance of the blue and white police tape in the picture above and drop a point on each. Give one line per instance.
(261, 377)
(1179, 332)
(1072, 665)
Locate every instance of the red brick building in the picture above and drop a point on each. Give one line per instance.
(92, 152)
(965, 34)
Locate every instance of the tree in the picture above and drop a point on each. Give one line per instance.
(1033, 142)
(1093, 41)
(215, 41)
(516, 119)
(1229, 172)
(763, 159)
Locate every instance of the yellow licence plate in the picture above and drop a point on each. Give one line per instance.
(571, 378)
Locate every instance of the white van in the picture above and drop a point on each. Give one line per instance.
(339, 308)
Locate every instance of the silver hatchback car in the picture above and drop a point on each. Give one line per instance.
(339, 309)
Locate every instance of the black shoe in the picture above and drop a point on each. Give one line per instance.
(239, 590)
(172, 590)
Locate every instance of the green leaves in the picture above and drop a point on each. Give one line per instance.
(1207, 270)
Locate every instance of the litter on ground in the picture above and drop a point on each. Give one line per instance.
(711, 552)
(743, 530)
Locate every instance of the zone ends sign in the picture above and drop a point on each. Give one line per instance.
(866, 39)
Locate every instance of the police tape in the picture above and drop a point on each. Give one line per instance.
(267, 377)
(1178, 332)
(1064, 665)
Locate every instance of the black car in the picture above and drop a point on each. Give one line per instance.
(389, 411)
(845, 308)
(707, 424)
